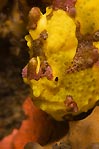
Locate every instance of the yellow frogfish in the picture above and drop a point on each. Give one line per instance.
(63, 70)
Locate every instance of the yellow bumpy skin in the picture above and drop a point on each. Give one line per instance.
(63, 70)
(87, 14)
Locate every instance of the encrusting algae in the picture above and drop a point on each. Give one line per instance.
(64, 58)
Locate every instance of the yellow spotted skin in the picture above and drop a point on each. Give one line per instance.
(87, 13)
(60, 48)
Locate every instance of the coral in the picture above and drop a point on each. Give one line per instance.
(32, 130)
